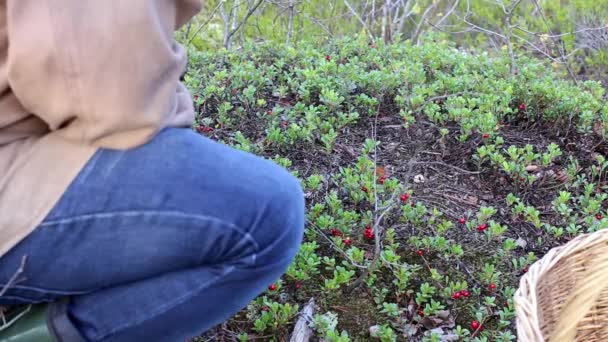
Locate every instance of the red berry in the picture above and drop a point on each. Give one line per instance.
(493, 287)
(205, 129)
(364, 189)
(522, 107)
(347, 242)
(272, 287)
(457, 295)
(462, 220)
(482, 227)
(328, 58)
(336, 232)
(525, 269)
(298, 285)
(465, 293)
(420, 313)
(285, 123)
(486, 136)
(420, 252)
(599, 216)
(368, 233)
(475, 325)
(381, 180)
(404, 197)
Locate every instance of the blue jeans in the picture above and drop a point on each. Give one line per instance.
(161, 242)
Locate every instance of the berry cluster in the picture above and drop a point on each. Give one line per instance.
(461, 294)
(368, 233)
(205, 129)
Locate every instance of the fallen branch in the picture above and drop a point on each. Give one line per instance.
(442, 97)
(6, 324)
(302, 331)
(448, 165)
(15, 278)
(392, 203)
(320, 231)
(11, 282)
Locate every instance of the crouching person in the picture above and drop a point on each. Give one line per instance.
(128, 225)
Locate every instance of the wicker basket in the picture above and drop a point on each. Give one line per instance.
(564, 296)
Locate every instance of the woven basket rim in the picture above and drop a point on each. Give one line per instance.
(528, 318)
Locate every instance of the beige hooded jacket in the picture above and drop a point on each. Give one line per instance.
(77, 75)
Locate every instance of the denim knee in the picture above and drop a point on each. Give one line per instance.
(282, 228)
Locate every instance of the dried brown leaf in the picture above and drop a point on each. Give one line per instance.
(347, 149)
(443, 319)
(411, 308)
(598, 127)
(532, 168)
(521, 243)
(561, 176)
(380, 172)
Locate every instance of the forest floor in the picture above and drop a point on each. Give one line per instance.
(433, 179)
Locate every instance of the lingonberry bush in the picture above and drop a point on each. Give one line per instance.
(433, 178)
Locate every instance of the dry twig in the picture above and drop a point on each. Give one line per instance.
(302, 331)
(11, 282)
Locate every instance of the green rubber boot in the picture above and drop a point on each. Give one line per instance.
(31, 327)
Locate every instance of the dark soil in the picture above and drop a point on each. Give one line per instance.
(452, 183)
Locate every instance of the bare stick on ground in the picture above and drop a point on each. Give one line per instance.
(302, 332)
(11, 282)
(379, 214)
(15, 278)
